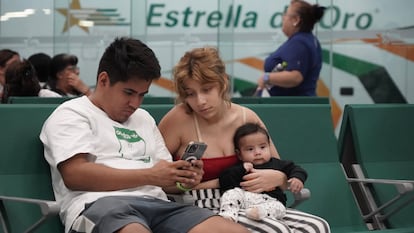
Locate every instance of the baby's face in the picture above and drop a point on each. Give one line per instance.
(254, 148)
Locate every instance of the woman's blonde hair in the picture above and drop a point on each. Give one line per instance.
(203, 65)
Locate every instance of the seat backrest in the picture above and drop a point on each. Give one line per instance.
(158, 100)
(304, 133)
(23, 170)
(157, 110)
(37, 100)
(281, 100)
(380, 137)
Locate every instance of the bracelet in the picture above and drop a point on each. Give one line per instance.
(266, 78)
(181, 187)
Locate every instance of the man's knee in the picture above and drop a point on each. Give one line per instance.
(133, 227)
(218, 224)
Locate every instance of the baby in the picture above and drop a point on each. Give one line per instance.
(252, 146)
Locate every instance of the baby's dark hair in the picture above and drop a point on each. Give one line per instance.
(247, 129)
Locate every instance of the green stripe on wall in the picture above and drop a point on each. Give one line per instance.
(375, 79)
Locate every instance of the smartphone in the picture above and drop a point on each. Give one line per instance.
(194, 150)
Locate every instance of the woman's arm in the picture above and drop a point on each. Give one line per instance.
(286, 79)
(261, 180)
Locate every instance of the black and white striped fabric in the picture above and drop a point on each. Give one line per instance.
(294, 221)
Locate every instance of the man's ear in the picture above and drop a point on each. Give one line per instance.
(103, 79)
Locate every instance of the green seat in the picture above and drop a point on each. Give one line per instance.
(171, 100)
(37, 100)
(158, 100)
(281, 100)
(157, 110)
(375, 145)
(23, 170)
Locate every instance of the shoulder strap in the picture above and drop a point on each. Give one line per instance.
(197, 128)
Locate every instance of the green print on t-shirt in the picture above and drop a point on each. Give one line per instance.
(131, 145)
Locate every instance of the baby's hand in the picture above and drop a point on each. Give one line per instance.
(295, 185)
(248, 167)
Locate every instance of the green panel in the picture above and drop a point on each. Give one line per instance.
(375, 78)
(158, 100)
(37, 100)
(301, 132)
(384, 132)
(23, 169)
(157, 110)
(281, 100)
(382, 138)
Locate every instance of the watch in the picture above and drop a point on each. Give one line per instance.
(266, 78)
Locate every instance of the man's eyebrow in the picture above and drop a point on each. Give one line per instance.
(135, 92)
(130, 90)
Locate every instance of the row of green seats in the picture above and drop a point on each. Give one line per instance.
(171, 100)
(302, 132)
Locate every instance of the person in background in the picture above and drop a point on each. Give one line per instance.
(109, 163)
(64, 76)
(7, 56)
(21, 80)
(205, 113)
(41, 62)
(293, 69)
(252, 146)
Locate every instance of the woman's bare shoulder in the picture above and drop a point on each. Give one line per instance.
(249, 113)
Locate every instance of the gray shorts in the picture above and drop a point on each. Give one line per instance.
(109, 214)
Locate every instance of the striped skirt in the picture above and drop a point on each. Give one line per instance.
(294, 220)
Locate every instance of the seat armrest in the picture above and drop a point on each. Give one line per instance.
(404, 188)
(47, 208)
(300, 197)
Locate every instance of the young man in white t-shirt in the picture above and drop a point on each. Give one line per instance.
(110, 167)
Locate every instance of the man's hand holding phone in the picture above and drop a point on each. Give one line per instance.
(193, 153)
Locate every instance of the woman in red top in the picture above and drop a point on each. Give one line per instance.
(205, 113)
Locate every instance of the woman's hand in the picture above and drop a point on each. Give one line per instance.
(77, 83)
(261, 180)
